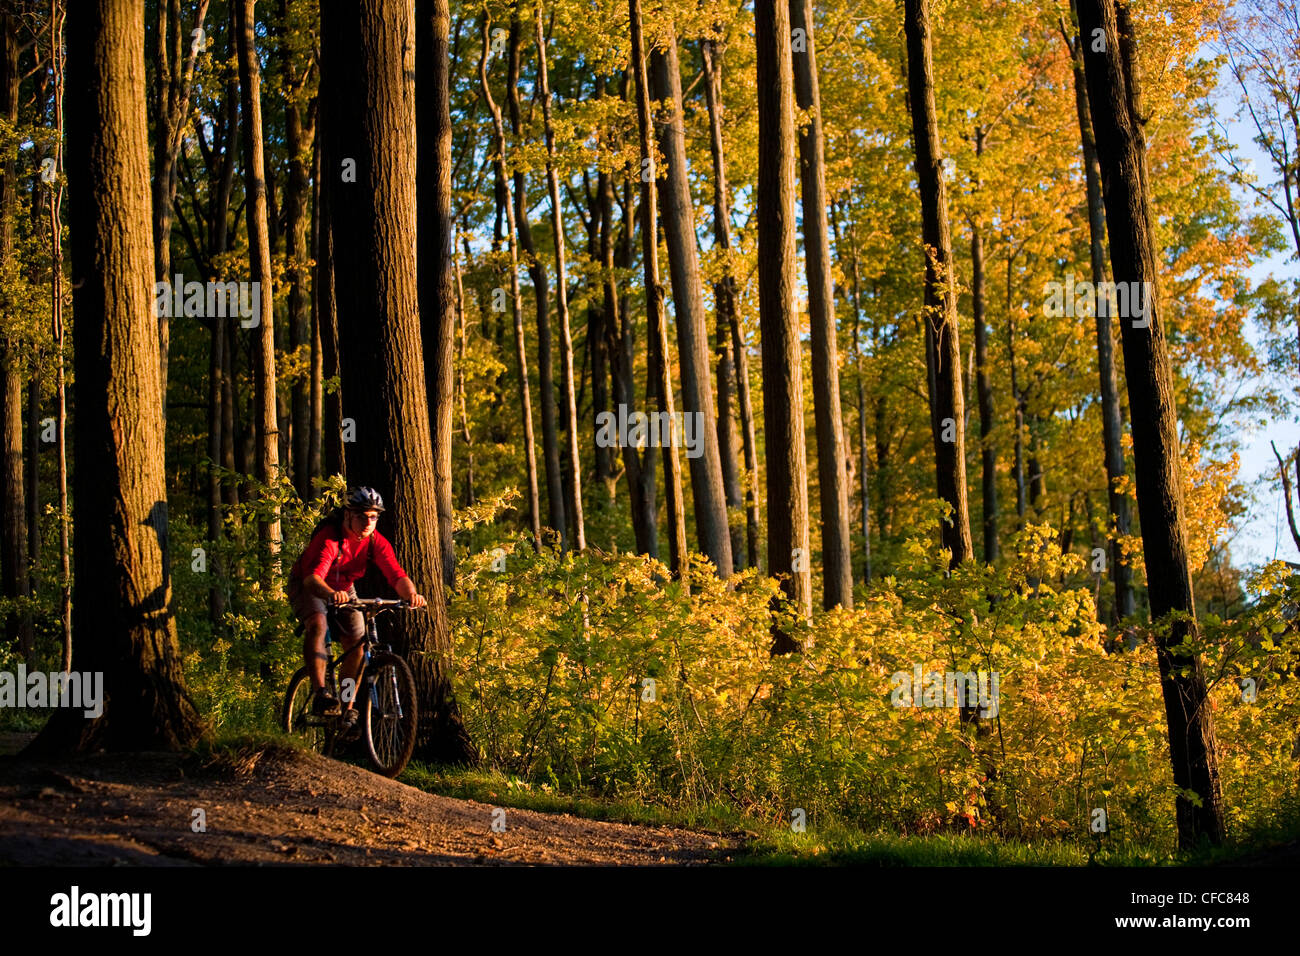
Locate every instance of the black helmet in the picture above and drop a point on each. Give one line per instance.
(364, 499)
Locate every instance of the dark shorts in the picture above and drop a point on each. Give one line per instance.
(343, 624)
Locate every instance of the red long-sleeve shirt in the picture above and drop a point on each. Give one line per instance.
(341, 570)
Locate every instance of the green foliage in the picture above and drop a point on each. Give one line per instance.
(553, 655)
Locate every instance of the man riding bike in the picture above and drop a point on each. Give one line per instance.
(340, 553)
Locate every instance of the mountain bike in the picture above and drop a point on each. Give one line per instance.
(384, 694)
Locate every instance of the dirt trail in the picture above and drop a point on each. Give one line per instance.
(282, 806)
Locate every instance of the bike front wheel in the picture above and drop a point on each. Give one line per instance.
(316, 731)
(390, 713)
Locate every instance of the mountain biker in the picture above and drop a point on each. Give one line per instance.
(339, 553)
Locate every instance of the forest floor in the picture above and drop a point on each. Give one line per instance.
(277, 805)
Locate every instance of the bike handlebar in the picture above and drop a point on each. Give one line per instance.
(375, 603)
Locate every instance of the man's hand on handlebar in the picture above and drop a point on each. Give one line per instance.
(341, 597)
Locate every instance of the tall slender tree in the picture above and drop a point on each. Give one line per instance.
(733, 355)
(527, 251)
(660, 372)
(832, 477)
(568, 401)
(266, 429)
(678, 214)
(14, 582)
(1111, 422)
(942, 351)
(1114, 104)
(434, 235)
(787, 485)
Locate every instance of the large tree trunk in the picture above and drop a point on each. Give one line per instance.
(123, 609)
(656, 322)
(266, 425)
(787, 484)
(1121, 152)
(943, 353)
(516, 303)
(1111, 422)
(14, 582)
(434, 234)
(733, 357)
(569, 406)
(692, 328)
(371, 98)
(541, 294)
(833, 483)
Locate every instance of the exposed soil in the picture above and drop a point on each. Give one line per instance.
(279, 806)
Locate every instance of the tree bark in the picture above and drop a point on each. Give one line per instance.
(709, 501)
(943, 353)
(123, 610)
(1121, 153)
(266, 425)
(1111, 421)
(434, 235)
(864, 455)
(733, 356)
(656, 324)
(833, 483)
(787, 487)
(569, 405)
(371, 97)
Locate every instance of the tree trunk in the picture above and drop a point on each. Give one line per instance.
(692, 329)
(943, 353)
(333, 454)
(541, 293)
(14, 581)
(1111, 422)
(733, 357)
(1121, 152)
(434, 235)
(123, 611)
(569, 407)
(864, 455)
(787, 487)
(371, 97)
(516, 303)
(640, 469)
(656, 323)
(298, 142)
(266, 429)
(171, 111)
(316, 394)
(833, 483)
(984, 391)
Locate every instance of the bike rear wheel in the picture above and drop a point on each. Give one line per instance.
(389, 714)
(317, 732)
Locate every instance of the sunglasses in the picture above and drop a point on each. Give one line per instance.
(369, 519)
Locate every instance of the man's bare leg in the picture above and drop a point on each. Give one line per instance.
(313, 649)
